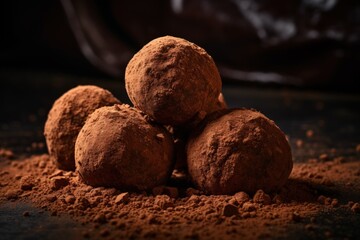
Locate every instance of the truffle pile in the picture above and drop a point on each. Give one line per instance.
(179, 116)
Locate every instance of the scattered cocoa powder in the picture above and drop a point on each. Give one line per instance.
(109, 213)
(6, 154)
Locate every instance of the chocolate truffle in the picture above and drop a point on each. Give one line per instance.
(173, 81)
(118, 147)
(237, 150)
(67, 116)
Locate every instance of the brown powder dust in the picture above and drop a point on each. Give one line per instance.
(178, 211)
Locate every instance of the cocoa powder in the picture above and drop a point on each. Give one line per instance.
(111, 214)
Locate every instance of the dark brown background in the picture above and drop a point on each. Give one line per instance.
(307, 43)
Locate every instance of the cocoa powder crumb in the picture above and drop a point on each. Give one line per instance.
(357, 148)
(163, 201)
(324, 157)
(248, 207)
(56, 174)
(59, 182)
(18, 177)
(27, 183)
(230, 210)
(241, 197)
(70, 199)
(355, 208)
(6, 153)
(261, 197)
(82, 203)
(51, 198)
(335, 202)
(122, 198)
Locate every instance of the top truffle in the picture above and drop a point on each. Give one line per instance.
(66, 118)
(173, 81)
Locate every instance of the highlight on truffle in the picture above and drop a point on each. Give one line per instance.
(238, 150)
(67, 116)
(118, 147)
(173, 80)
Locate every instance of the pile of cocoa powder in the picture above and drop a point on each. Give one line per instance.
(326, 186)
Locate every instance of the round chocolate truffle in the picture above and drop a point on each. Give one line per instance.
(238, 150)
(173, 80)
(118, 147)
(67, 116)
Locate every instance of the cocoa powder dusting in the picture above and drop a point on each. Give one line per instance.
(118, 147)
(181, 212)
(174, 81)
(66, 118)
(238, 150)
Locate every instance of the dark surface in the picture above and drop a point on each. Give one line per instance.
(27, 96)
(38, 225)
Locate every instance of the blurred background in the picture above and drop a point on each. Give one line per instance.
(302, 43)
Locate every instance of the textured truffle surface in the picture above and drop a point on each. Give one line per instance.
(67, 116)
(118, 147)
(173, 80)
(238, 150)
